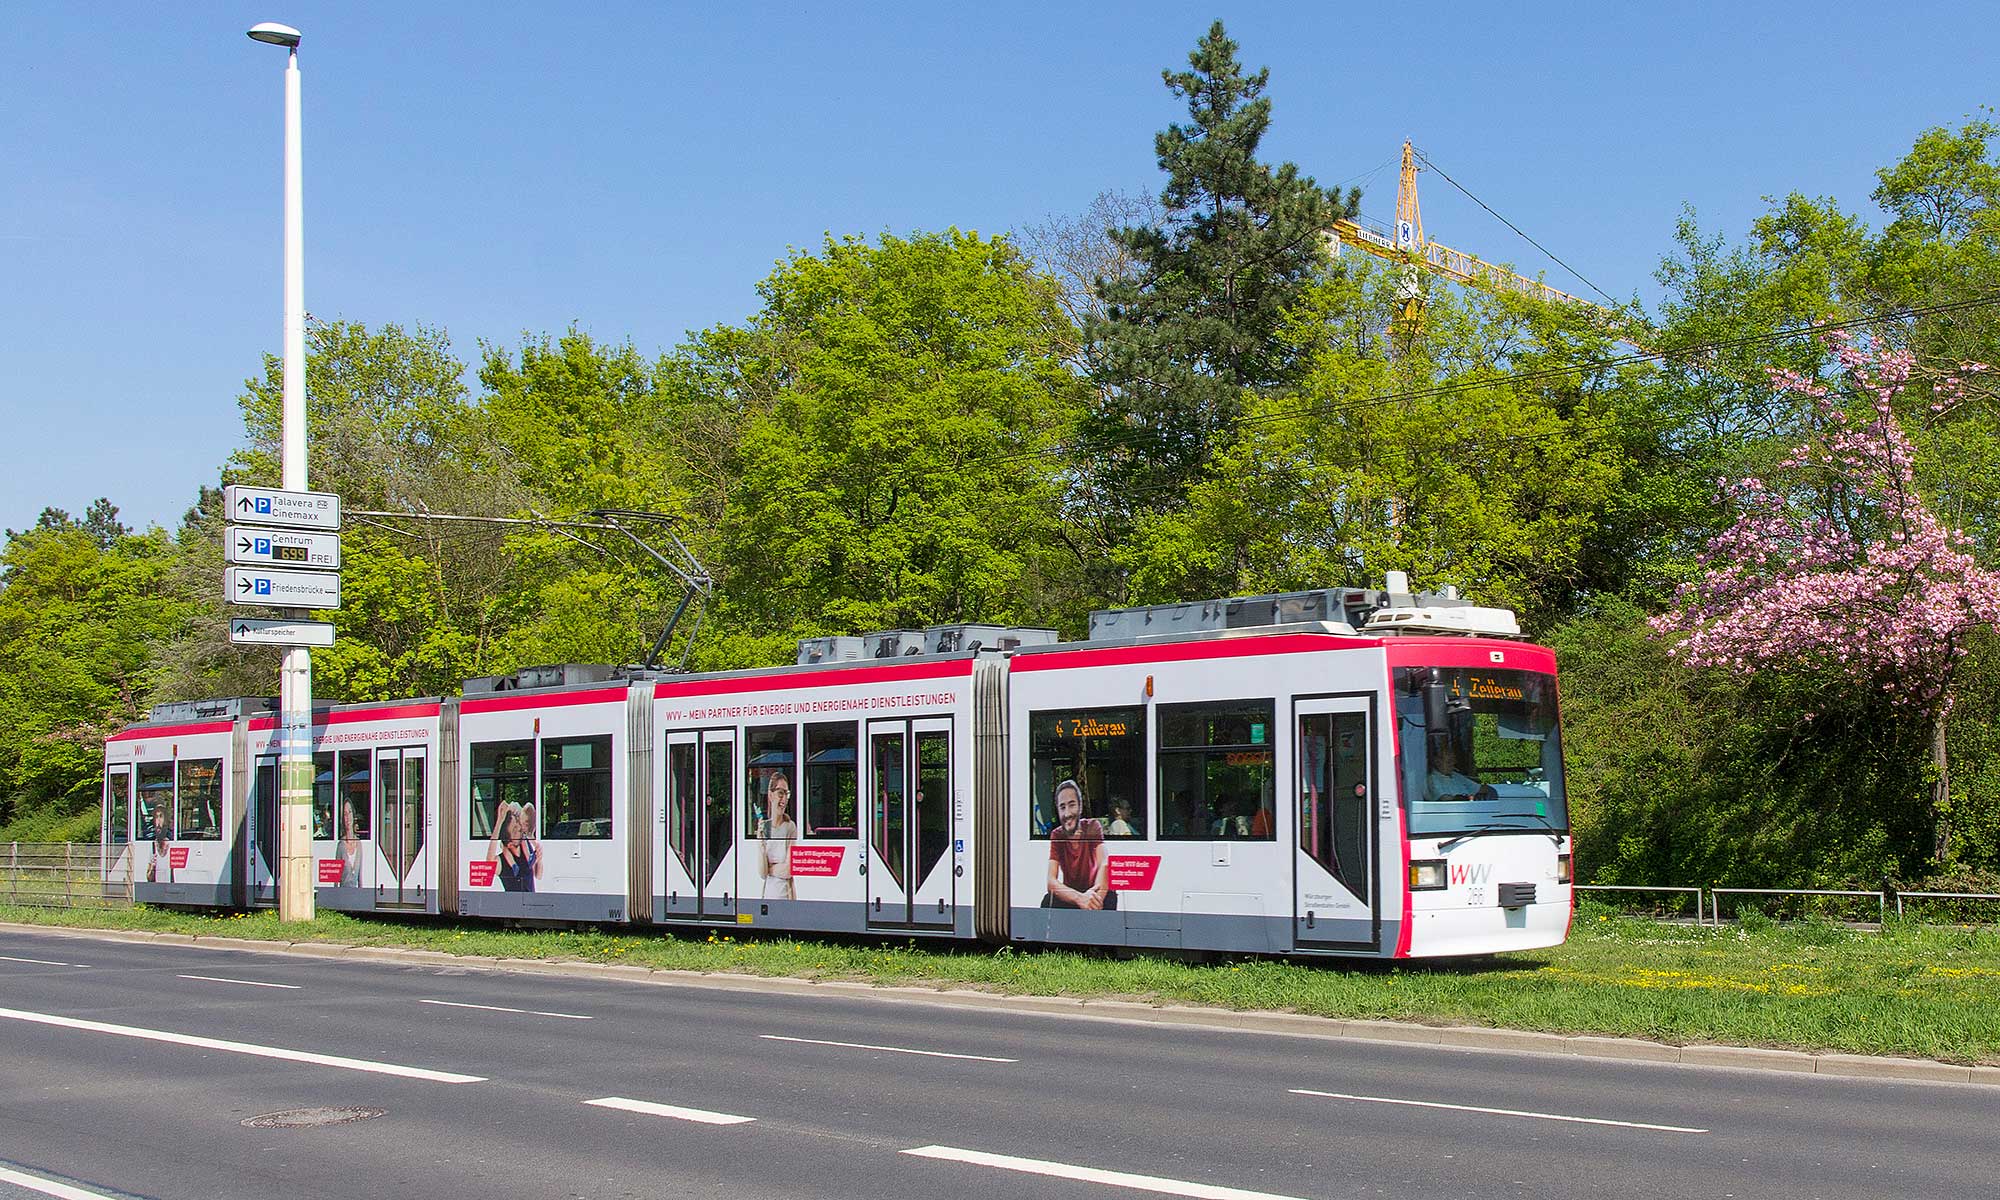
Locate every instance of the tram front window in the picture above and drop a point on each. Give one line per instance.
(1481, 751)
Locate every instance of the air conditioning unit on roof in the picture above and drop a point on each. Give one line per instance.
(1461, 619)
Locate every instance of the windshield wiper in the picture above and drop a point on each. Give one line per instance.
(1548, 827)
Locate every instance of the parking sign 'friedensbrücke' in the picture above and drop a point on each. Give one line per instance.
(281, 589)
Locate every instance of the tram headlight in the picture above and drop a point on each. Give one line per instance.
(1427, 875)
(1562, 868)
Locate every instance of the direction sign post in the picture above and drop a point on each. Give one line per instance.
(248, 631)
(289, 508)
(281, 589)
(255, 546)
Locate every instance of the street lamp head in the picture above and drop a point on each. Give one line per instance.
(275, 34)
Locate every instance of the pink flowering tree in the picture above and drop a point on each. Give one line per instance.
(1836, 564)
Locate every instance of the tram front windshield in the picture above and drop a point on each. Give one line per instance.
(1481, 751)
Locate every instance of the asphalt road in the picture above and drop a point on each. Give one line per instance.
(496, 1084)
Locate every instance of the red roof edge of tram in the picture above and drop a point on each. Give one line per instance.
(392, 712)
(511, 701)
(1236, 647)
(160, 731)
(1469, 652)
(888, 672)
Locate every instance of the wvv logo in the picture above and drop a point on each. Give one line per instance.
(1471, 872)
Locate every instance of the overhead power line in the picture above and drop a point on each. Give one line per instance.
(1509, 224)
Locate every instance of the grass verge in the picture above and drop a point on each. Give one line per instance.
(1924, 991)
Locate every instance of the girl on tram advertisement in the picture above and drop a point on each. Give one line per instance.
(776, 831)
(514, 850)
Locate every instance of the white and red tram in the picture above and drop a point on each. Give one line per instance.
(1334, 772)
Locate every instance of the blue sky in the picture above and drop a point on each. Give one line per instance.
(498, 169)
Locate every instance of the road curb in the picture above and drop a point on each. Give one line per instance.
(1463, 1037)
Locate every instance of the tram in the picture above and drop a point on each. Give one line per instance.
(1335, 772)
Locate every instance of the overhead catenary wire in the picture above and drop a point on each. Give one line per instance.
(1509, 224)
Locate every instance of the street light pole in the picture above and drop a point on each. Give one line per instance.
(295, 773)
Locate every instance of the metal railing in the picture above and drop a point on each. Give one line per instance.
(1715, 897)
(1708, 901)
(1621, 887)
(1988, 897)
(61, 875)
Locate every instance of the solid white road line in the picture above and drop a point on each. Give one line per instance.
(1124, 1179)
(777, 1037)
(49, 1187)
(40, 962)
(290, 987)
(669, 1110)
(250, 1048)
(1499, 1112)
(532, 1012)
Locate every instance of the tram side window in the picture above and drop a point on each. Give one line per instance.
(1216, 771)
(117, 823)
(768, 801)
(357, 802)
(832, 800)
(503, 775)
(156, 801)
(576, 788)
(1103, 752)
(325, 785)
(199, 811)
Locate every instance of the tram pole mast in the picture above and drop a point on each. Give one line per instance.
(295, 775)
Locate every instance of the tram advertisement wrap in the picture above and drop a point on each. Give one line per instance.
(480, 873)
(1133, 872)
(329, 871)
(823, 861)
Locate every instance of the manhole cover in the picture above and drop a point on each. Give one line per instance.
(306, 1118)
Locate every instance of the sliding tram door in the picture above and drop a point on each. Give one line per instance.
(911, 825)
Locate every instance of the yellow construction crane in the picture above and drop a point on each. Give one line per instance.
(1407, 245)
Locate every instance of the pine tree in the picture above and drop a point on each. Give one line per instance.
(1196, 325)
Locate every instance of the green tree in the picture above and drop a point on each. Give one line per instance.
(80, 620)
(1195, 326)
(392, 428)
(899, 404)
(1438, 462)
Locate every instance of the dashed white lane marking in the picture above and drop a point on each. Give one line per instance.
(1124, 1179)
(290, 987)
(40, 962)
(675, 1111)
(250, 1048)
(1500, 1112)
(532, 1012)
(778, 1037)
(49, 1187)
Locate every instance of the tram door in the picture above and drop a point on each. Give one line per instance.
(399, 827)
(264, 830)
(699, 875)
(117, 821)
(1338, 897)
(910, 825)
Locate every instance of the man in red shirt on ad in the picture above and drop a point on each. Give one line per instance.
(1079, 869)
